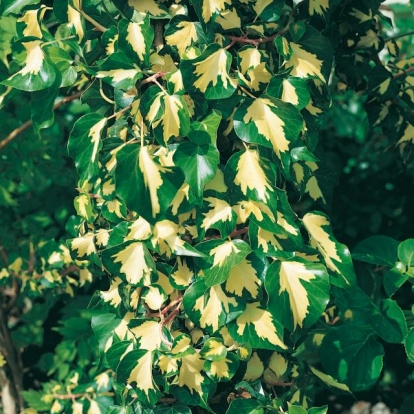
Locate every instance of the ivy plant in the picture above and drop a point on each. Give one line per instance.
(200, 138)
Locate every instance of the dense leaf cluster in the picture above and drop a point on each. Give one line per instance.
(199, 169)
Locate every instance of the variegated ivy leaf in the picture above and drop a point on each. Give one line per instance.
(84, 207)
(268, 10)
(270, 122)
(221, 257)
(291, 89)
(287, 220)
(336, 255)
(116, 352)
(182, 346)
(131, 261)
(245, 279)
(318, 7)
(119, 72)
(85, 143)
(311, 57)
(182, 274)
(182, 32)
(228, 19)
(143, 7)
(110, 40)
(213, 349)
(136, 368)
(38, 72)
(29, 25)
(114, 210)
(136, 38)
(258, 327)
(217, 214)
(199, 164)
(167, 114)
(147, 186)
(148, 333)
(253, 175)
(208, 10)
(167, 240)
(329, 380)
(298, 292)
(210, 308)
(254, 368)
(209, 73)
(253, 70)
(84, 246)
(222, 370)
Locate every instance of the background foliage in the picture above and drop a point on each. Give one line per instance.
(218, 152)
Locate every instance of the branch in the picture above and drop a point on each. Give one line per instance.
(152, 78)
(16, 132)
(92, 21)
(404, 72)
(397, 36)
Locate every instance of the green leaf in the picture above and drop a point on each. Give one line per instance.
(115, 353)
(357, 359)
(406, 252)
(147, 186)
(394, 279)
(379, 250)
(42, 103)
(38, 72)
(222, 370)
(199, 164)
(269, 122)
(298, 292)
(329, 380)
(258, 327)
(407, 406)
(336, 255)
(221, 257)
(16, 6)
(7, 32)
(172, 409)
(409, 344)
(205, 131)
(85, 143)
(209, 73)
(245, 406)
(389, 322)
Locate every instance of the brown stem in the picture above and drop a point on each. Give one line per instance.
(404, 72)
(238, 232)
(16, 132)
(152, 78)
(171, 305)
(70, 269)
(11, 375)
(67, 396)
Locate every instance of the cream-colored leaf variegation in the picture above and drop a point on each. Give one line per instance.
(250, 176)
(147, 6)
(222, 252)
(154, 298)
(268, 124)
(210, 7)
(152, 174)
(136, 39)
(220, 369)
(142, 374)
(255, 368)
(183, 274)
(228, 19)
(220, 210)
(262, 322)
(190, 373)
(85, 245)
(304, 64)
(212, 307)
(139, 230)
(166, 237)
(243, 277)
(291, 274)
(148, 334)
(183, 37)
(112, 294)
(118, 75)
(318, 7)
(211, 69)
(323, 242)
(133, 264)
(34, 59)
